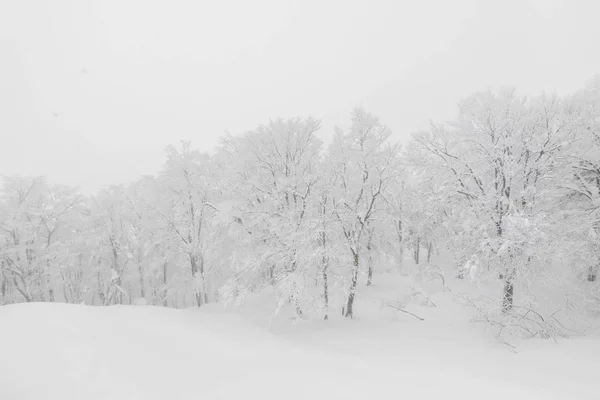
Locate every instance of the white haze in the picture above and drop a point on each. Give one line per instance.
(91, 91)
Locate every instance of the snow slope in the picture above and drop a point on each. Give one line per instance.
(74, 352)
(71, 352)
(445, 344)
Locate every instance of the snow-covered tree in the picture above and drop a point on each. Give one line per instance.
(364, 168)
(182, 204)
(36, 228)
(110, 252)
(502, 155)
(581, 182)
(274, 199)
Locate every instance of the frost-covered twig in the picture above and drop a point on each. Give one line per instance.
(396, 305)
(522, 320)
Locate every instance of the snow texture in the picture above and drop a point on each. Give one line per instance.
(73, 352)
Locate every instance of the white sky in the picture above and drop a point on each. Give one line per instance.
(92, 90)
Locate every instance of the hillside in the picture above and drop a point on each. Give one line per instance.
(72, 352)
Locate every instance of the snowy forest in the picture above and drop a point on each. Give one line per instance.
(509, 192)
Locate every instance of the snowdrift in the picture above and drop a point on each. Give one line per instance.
(72, 352)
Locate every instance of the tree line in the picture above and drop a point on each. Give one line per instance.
(508, 188)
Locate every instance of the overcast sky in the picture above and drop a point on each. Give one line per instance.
(92, 90)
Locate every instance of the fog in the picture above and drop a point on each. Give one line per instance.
(91, 91)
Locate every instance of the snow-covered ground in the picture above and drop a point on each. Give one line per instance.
(71, 352)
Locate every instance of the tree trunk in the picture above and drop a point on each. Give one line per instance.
(508, 294)
(499, 234)
(294, 298)
(47, 280)
(130, 294)
(194, 268)
(417, 250)
(429, 251)
(271, 274)
(298, 308)
(400, 245)
(325, 288)
(66, 290)
(369, 262)
(325, 279)
(165, 287)
(460, 267)
(350, 304)
(141, 272)
(592, 273)
(203, 275)
(51, 293)
(3, 286)
(119, 293)
(115, 266)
